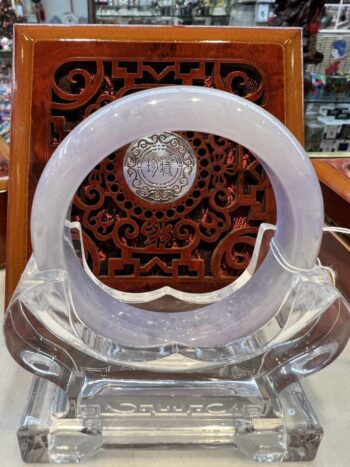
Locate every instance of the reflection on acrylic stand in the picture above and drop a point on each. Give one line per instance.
(223, 368)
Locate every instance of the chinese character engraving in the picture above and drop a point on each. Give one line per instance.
(160, 168)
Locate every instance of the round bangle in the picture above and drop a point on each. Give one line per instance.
(179, 108)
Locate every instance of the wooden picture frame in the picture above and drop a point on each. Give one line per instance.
(40, 51)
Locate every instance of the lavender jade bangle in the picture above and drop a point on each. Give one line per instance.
(178, 108)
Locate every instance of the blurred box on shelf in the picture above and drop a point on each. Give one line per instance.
(342, 145)
(326, 133)
(345, 131)
(328, 145)
(312, 146)
(338, 112)
(336, 86)
(262, 12)
(313, 135)
(326, 109)
(331, 127)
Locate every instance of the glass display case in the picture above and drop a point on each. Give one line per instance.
(208, 12)
(338, 14)
(161, 12)
(327, 95)
(5, 94)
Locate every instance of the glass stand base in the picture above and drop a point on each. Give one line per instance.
(109, 413)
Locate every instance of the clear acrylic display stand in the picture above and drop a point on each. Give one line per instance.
(168, 368)
(80, 405)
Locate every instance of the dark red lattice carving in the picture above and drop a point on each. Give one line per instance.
(200, 242)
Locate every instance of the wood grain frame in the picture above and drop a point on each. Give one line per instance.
(27, 68)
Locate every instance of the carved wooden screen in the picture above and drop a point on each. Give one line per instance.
(203, 240)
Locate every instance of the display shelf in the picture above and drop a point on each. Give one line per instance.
(169, 11)
(142, 17)
(328, 155)
(159, 16)
(216, 12)
(6, 55)
(344, 24)
(327, 100)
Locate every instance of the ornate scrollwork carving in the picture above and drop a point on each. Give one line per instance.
(134, 227)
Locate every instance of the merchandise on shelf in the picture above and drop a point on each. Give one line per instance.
(327, 127)
(209, 12)
(5, 99)
(337, 15)
(327, 112)
(333, 45)
(9, 15)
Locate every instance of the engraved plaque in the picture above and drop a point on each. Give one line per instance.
(160, 168)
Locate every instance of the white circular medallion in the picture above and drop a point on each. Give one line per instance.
(160, 168)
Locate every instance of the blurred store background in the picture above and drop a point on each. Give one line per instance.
(326, 29)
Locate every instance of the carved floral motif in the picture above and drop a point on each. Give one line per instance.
(200, 240)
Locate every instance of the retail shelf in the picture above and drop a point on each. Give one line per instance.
(327, 100)
(6, 55)
(160, 16)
